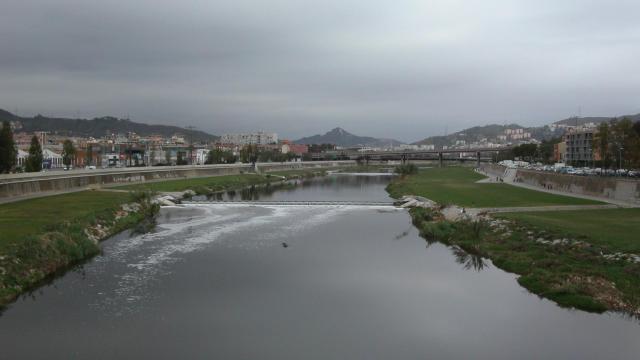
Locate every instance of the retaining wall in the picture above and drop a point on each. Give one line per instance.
(600, 186)
(607, 187)
(59, 182)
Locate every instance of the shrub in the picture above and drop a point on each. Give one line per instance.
(406, 169)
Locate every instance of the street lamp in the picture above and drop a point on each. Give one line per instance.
(620, 156)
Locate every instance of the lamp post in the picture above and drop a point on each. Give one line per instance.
(620, 156)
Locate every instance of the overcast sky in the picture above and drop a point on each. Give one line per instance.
(402, 69)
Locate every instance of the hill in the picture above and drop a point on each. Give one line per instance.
(340, 137)
(98, 127)
(572, 121)
(491, 132)
(470, 135)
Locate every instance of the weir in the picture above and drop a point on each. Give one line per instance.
(294, 203)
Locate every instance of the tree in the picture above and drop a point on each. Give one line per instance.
(218, 156)
(601, 143)
(8, 151)
(249, 153)
(89, 155)
(181, 158)
(68, 152)
(34, 161)
(525, 151)
(546, 150)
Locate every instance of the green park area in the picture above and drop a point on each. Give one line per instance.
(35, 216)
(614, 229)
(459, 185)
(214, 183)
(207, 185)
(570, 257)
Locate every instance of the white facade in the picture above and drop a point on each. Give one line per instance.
(201, 156)
(22, 157)
(54, 159)
(259, 138)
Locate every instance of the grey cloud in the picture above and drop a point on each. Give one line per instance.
(404, 69)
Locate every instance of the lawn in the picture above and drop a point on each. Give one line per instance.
(28, 217)
(458, 185)
(214, 183)
(615, 229)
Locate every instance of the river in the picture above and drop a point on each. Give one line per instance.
(297, 282)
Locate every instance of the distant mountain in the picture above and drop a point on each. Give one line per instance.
(572, 121)
(98, 127)
(476, 133)
(491, 132)
(340, 137)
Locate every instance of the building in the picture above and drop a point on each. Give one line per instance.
(297, 149)
(259, 138)
(201, 156)
(579, 147)
(51, 160)
(560, 152)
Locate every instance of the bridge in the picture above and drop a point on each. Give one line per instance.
(406, 155)
(294, 203)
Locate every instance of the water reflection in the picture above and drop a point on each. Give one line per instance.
(469, 260)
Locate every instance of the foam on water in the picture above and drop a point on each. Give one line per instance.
(144, 259)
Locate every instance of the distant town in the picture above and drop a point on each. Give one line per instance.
(561, 142)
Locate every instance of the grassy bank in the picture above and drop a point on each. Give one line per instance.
(613, 229)
(569, 257)
(42, 236)
(574, 274)
(34, 216)
(458, 185)
(212, 184)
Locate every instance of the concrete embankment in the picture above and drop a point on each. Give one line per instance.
(606, 188)
(21, 185)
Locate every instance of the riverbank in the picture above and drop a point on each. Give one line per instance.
(593, 271)
(43, 236)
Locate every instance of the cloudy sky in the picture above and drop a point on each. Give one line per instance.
(404, 69)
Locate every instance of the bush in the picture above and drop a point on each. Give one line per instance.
(406, 169)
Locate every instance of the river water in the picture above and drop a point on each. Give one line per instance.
(297, 282)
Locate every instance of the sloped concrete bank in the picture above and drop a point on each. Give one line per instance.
(21, 185)
(619, 189)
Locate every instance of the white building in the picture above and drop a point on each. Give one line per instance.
(259, 138)
(22, 157)
(201, 156)
(51, 159)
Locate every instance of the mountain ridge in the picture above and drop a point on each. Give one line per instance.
(98, 127)
(340, 137)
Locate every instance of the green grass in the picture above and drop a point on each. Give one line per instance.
(214, 183)
(458, 185)
(34, 216)
(42, 236)
(614, 229)
(573, 276)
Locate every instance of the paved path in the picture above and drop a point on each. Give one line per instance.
(540, 208)
(625, 204)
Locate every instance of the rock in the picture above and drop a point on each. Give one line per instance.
(166, 202)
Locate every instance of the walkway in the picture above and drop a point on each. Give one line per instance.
(491, 179)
